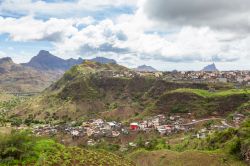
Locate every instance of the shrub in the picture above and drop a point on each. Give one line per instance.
(16, 122)
(17, 146)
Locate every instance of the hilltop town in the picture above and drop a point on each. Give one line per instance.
(240, 78)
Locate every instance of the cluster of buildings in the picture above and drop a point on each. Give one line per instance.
(173, 124)
(116, 74)
(238, 77)
(94, 128)
(129, 74)
(204, 132)
(161, 124)
(156, 74)
(99, 128)
(45, 129)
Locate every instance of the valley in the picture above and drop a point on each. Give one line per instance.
(135, 115)
(124, 83)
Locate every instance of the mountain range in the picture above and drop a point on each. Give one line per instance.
(46, 68)
(19, 78)
(40, 72)
(46, 61)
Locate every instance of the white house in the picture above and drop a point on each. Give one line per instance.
(223, 80)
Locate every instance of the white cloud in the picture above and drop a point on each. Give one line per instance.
(132, 39)
(103, 37)
(30, 29)
(233, 15)
(187, 45)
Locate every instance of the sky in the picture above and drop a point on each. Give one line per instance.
(165, 34)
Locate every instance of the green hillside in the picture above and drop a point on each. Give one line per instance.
(113, 91)
(22, 148)
(203, 103)
(207, 94)
(187, 158)
(228, 147)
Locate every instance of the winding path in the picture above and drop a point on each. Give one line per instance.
(223, 121)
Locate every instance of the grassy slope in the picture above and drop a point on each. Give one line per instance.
(228, 147)
(121, 100)
(84, 92)
(187, 158)
(8, 102)
(207, 94)
(74, 95)
(203, 103)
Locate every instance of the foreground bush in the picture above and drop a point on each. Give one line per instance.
(22, 148)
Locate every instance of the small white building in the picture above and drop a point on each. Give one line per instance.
(75, 133)
(115, 133)
(91, 142)
(223, 80)
(132, 144)
(98, 122)
(158, 74)
(90, 132)
(240, 80)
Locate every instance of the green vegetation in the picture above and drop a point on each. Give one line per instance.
(151, 144)
(244, 108)
(8, 102)
(234, 142)
(205, 93)
(204, 103)
(229, 147)
(90, 90)
(187, 158)
(179, 109)
(104, 145)
(22, 148)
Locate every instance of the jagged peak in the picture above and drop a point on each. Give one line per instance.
(145, 68)
(44, 52)
(211, 67)
(103, 60)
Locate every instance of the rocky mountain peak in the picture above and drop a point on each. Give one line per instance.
(145, 68)
(211, 67)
